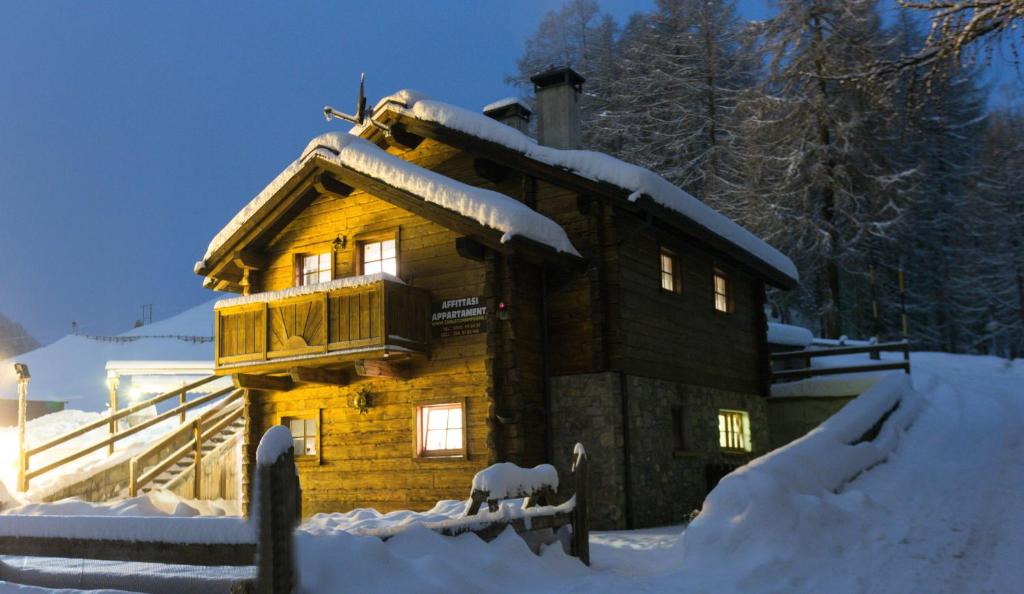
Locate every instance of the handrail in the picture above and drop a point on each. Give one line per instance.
(136, 481)
(214, 411)
(121, 435)
(106, 420)
(844, 350)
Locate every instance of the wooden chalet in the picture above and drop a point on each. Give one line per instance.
(435, 292)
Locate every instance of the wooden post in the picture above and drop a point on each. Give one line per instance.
(133, 477)
(197, 458)
(181, 401)
(277, 508)
(23, 379)
(906, 356)
(113, 381)
(580, 514)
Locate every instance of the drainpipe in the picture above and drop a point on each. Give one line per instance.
(626, 454)
(545, 364)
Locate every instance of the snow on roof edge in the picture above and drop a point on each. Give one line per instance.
(591, 165)
(505, 102)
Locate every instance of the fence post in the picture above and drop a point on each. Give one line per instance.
(113, 381)
(906, 356)
(23, 378)
(277, 510)
(133, 477)
(197, 459)
(181, 401)
(580, 514)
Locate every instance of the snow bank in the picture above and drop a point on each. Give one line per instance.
(790, 505)
(338, 283)
(785, 334)
(591, 165)
(505, 479)
(490, 209)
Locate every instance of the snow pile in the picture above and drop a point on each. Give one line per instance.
(505, 479)
(490, 209)
(274, 443)
(789, 506)
(338, 283)
(591, 165)
(788, 335)
(73, 369)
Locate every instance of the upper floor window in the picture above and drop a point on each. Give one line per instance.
(440, 430)
(734, 430)
(314, 268)
(380, 256)
(723, 292)
(671, 273)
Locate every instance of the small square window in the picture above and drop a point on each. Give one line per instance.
(305, 435)
(671, 272)
(440, 430)
(380, 256)
(734, 430)
(723, 292)
(313, 268)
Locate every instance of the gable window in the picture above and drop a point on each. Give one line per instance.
(671, 272)
(723, 292)
(734, 430)
(305, 435)
(440, 430)
(313, 268)
(380, 256)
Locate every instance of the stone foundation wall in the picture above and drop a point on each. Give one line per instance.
(667, 483)
(793, 417)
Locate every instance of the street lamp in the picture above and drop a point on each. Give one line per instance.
(23, 378)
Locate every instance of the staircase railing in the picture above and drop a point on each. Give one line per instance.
(215, 420)
(26, 473)
(874, 350)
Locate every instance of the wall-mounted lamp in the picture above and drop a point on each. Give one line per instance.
(339, 242)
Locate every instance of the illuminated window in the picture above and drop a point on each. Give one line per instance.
(305, 435)
(314, 268)
(671, 275)
(440, 430)
(734, 430)
(380, 256)
(723, 292)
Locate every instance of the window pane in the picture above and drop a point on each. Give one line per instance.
(325, 261)
(454, 439)
(310, 446)
(371, 267)
(371, 252)
(667, 282)
(435, 440)
(390, 266)
(309, 263)
(325, 276)
(455, 418)
(310, 427)
(666, 263)
(387, 249)
(721, 303)
(437, 419)
(297, 446)
(296, 426)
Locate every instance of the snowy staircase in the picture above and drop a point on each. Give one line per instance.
(185, 463)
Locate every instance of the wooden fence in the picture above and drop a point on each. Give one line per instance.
(26, 473)
(268, 547)
(874, 350)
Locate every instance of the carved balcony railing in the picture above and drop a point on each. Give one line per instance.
(344, 319)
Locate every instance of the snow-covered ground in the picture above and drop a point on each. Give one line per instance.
(931, 505)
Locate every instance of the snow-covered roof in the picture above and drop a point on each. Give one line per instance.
(592, 165)
(491, 209)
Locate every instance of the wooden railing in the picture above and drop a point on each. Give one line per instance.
(360, 318)
(26, 473)
(204, 427)
(874, 350)
(265, 540)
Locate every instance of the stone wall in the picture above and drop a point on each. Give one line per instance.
(668, 483)
(793, 417)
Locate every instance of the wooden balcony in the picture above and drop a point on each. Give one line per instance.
(270, 332)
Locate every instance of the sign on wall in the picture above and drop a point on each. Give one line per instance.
(458, 317)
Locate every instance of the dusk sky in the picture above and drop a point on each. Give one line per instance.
(131, 132)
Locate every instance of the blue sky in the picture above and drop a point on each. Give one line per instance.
(131, 132)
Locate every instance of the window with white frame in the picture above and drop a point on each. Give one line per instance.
(734, 430)
(314, 268)
(305, 435)
(441, 429)
(380, 256)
